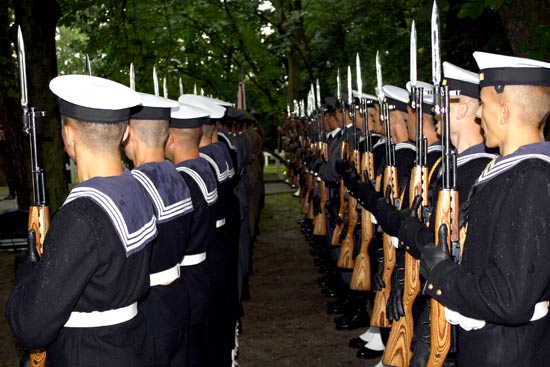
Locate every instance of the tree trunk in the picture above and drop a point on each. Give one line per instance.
(10, 112)
(521, 20)
(38, 21)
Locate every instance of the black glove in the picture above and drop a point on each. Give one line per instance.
(32, 253)
(332, 207)
(413, 210)
(341, 166)
(378, 282)
(316, 205)
(421, 340)
(394, 307)
(432, 256)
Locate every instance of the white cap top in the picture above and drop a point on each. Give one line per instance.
(93, 99)
(454, 72)
(150, 100)
(396, 96)
(187, 116)
(220, 102)
(500, 70)
(216, 111)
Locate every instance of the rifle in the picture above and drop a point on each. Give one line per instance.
(379, 317)
(447, 211)
(335, 241)
(320, 220)
(345, 260)
(39, 213)
(398, 352)
(361, 277)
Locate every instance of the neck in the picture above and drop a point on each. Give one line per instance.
(205, 140)
(146, 155)
(519, 136)
(467, 137)
(93, 164)
(185, 155)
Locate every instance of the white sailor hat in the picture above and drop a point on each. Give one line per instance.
(427, 94)
(460, 79)
(396, 96)
(93, 99)
(187, 117)
(499, 70)
(216, 111)
(153, 108)
(368, 97)
(220, 102)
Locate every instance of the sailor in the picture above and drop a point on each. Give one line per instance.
(80, 300)
(182, 148)
(166, 307)
(222, 258)
(499, 292)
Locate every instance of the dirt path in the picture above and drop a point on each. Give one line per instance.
(285, 322)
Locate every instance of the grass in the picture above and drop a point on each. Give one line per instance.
(280, 212)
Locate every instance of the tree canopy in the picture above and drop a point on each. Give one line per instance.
(279, 47)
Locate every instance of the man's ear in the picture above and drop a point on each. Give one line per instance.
(504, 113)
(68, 134)
(461, 110)
(126, 134)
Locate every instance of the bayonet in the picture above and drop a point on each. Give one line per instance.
(413, 55)
(338, 87)
(318, 87)
(350, 90)
(155, 82)
(22, 72)
(132, 77)
(195, 89)
(181, 87)
(165, 87)
(379, 92)
(88, 65)
(436, 57)
(358, 76)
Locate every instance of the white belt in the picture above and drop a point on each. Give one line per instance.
(165, 277)
(220, 223)
(467, 323)
(102, 318)
(195, 259)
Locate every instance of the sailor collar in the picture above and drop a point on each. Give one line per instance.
(501, 165)
(474, 152)
(217, 160)
(126, 204)
(405, 145)
(380, 141)
(199, 170)
(166, 188)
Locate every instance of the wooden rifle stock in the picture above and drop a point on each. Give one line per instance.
(320, 220)
(335, 240)
(440, 330)
(345, 260)
(361, 277)
(379, 317)
(398, 352)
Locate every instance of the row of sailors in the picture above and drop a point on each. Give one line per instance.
(143, 267)
(500, 321)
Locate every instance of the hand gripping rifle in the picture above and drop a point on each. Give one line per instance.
(379, 317)
(336, 234)
(447, 211)
(39, 213)
(361, 277)
(398, 352)
(345, 260)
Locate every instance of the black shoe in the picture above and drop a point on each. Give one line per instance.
(356, 343)
(353, 320)
(339, 306)
(366, 353)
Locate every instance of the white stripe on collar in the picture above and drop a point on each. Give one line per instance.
(163, 212)
(506, 164)
(470, 157)
(435, 148)
(405, 145)
(210, 197)
(227, 140)
(334, 132)
(222, 176)
(131, 241)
